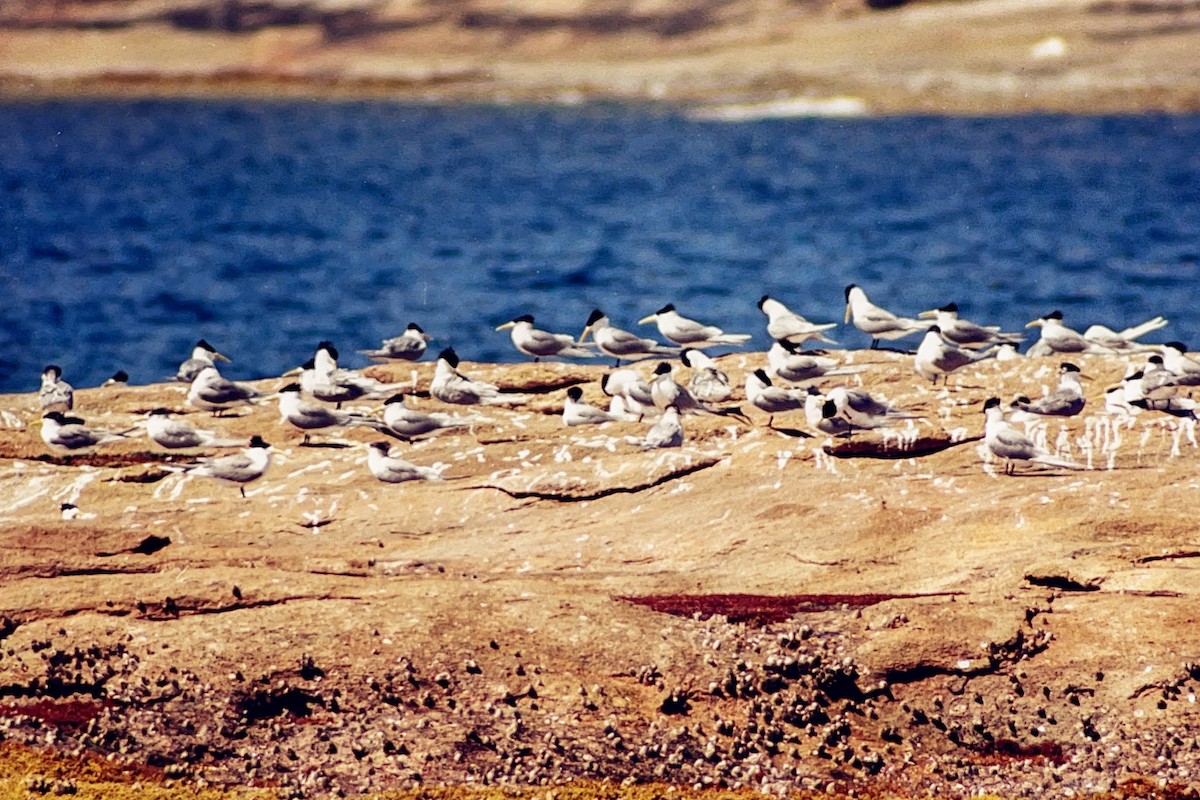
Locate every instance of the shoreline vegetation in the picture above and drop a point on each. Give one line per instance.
(737, 60)
(567, 615)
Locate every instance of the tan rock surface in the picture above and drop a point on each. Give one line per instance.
(493, 613)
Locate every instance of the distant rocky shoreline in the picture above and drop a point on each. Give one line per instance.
(976, 57)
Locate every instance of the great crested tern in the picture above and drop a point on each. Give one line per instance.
(876, 322)
(389, 469)
(666, 392)
(210, 391)
(410, 423)
(55, 394)
(174, 434)
(408, 346)
(542, 344)
(1157, 382)
(621, 344)
(821, 413)
(1010, 444)
(577, 412)
(323, 379)
(937, 358)
(1185, 368)
(765, 396)
(785, 360)
(309, 416)
(688, 332)
(1183, 407)
(630, 393)
(1125, 341)
(240, 468)
(451, 386)
(1056, 337)
(71, 436)
(783, 324)
(1065, 401)
(965, 333)
(862, 411)
(203, 355)
(708, 382)
(666, 432)
(118, 378)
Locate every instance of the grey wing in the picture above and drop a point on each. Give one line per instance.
(232, 468)
(863, 403)
(76, 436)
(178, 434)
(1058, 403)
(1011, 443)
(626, 342)
(965, 332)
(405, 347)
(691, 331)
(223, 390)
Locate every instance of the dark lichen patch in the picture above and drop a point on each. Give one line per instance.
(761, 609)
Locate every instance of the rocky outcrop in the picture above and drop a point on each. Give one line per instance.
(748, 610)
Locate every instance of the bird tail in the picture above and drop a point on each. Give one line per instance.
(1053, 461)
(577, 352)
(225, 443)
(1138, 331)
(502, 399)
(730, 338)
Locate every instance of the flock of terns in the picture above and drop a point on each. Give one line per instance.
(313, 400)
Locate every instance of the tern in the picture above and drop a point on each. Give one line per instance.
(411, 423)
(689, 333)
(964, 333)
(621, 344)
(821, 413)
(708, 381)
(772, 399)
(667, 432)
(118, 378)
(542, 344)
(576, 412)
(321, 377)
(408, 346)
(309, 416)
(862, 411)
(630, 393)
(1058, 338)
(1005, 441)
(1175, 406)
(937, 358)
(1158, 382)
(876, 322)
(212, 392)
(785, 361)
(451, 386)
(240, 468)
(203, 355)
(70, 435)
(1185, 368)
(783, 324)
(174, 434)
(390, 469)
(1123, 341)
(667, 393)
(55, 394)
(1065, 401)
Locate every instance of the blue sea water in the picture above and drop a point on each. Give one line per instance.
(130, 229)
